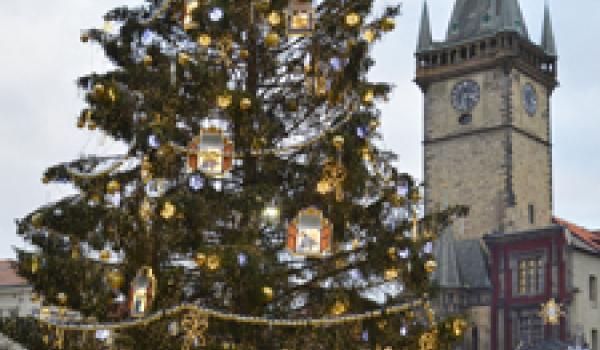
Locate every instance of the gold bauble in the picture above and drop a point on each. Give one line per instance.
(369, 35)
(113, 187)
(148, 60)
(213, 262)
(458, 327)
(244, 54)
(115, 279)
(105, 255)
(388, 24)
(183, 58)
(224, 101)
(99, 89)
(338, 308)
(390, 274)
(85, 36)
(168, 210)
(91, 125)
(352, 19)
(392, 253)
(62, 298)
(374, 124)
(35, 297)
(272, 39)
(204, 40)
(145, 209)
(323, 187)
(274, 18)
(36, 220)
(366, 153)
(355, 244)
(245, 103)
(430, 266)
(268, 293)
(200, 259)
(369, 96)
(338, 141)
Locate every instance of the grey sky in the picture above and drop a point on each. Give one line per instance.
(42, 56)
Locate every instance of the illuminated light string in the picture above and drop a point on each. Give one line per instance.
(258, 321)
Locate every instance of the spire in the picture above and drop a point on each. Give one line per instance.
(512, 17)
(475, 18)
(425, 39)
(548, 43)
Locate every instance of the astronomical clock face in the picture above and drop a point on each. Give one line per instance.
(530, 100)
(465, 95)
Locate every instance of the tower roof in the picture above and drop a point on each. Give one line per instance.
(425, 39)
(548, 43)
(475, 18)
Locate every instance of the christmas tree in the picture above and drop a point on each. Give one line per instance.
(253, 208)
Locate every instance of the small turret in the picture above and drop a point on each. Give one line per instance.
(548, 43)
(425, 39)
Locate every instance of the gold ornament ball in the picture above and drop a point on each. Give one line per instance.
(430, 266)
(168, 211)
(245, 103)
(244, 54)
(323, 187)
(104, 256)
(99, 89)
(62, 298)
(268, 293)
(391, 274)
(85, 36)
(204, 40)
(388, 24)
(113, 187)
(392, 252)
(224, 101)
(148, 60)
(369, 96)
(183, 58)
(35, 297)
(200, 259)
(338, 308)
(274, 18)
(366, 153)
(35, 264)
(213, 262)
(272, 39)
(115, 279)
(369, 35)
(353, 19)
(338, 141)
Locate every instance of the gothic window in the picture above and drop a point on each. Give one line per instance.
(530, 277)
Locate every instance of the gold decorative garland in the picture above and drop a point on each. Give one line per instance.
(211, 313)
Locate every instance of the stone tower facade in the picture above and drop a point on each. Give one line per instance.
(487, 139)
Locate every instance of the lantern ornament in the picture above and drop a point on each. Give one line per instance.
(551, 312)
(188, 21)
(143, 291)
(211, 153)
(310, 234)
(300, 18)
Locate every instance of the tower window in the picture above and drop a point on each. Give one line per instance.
(593, 290)
(531, 213)
(465, 119)
(530, 276)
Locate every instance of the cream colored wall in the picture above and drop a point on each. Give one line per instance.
(480, 316)
(583, 313)
(19, 298)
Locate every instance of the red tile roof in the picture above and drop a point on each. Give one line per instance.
(589, 237)
(8, 274)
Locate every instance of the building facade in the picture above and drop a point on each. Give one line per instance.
(487, 145)
(15, 293)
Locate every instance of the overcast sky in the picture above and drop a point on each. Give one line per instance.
(39, 102)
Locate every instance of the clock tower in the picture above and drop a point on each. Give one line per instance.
(487, 131)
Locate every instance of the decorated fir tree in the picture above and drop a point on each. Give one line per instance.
(253, 209)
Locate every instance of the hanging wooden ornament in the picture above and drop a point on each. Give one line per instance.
(211, 153)
(189, 7)
(142, 293)
(300, 18)
(310, 234)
